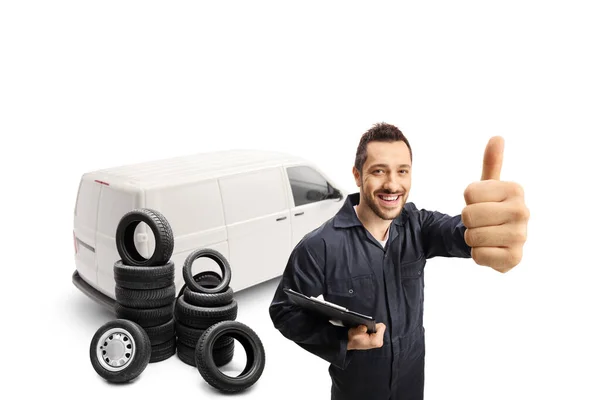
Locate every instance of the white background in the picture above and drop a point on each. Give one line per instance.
(89, 85)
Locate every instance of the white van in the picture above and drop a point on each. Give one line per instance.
(252, 206)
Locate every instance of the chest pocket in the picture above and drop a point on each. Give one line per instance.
(357, 293)
(413, 269)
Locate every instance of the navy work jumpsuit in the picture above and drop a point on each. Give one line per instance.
(342, 261)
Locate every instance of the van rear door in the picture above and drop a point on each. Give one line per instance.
(84, 228)
(116, 199)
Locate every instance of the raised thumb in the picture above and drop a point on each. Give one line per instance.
(492, 159)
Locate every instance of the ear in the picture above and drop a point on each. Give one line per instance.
(356, 176)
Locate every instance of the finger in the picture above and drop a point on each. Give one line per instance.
(499, 258)
(380, 329)
(360, 330)
(493, 213)
(357, 330)
(489, 191)
(492, 159)
(377, 338)
(496, 236)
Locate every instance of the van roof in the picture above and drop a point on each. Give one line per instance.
(199, 166)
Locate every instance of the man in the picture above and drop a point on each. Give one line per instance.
(370, 258)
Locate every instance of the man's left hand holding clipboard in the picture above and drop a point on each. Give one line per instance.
(363, 334)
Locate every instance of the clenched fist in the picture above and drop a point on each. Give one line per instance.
(495, 216)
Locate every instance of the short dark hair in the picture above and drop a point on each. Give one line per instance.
(380, 132)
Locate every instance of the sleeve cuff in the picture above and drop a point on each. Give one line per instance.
(344, 355)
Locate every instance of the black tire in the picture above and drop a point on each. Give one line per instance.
(150, 298)
(208, 279)
(205, 278)
(163, 351)
(145, 317)
(221, 356)
(161, 229)
(255, 357)
(126, 335)
(208, 299)
(161, 333)
(190, 336)
(188, 277)
(144, 278)
(203, 317)
(186, 354)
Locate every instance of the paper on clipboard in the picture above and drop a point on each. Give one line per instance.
(322, 300)
(335, 322)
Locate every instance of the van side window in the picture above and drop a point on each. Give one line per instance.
(308, 185)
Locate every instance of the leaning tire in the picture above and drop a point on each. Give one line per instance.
(161, 229)
(120, 351)
(215, 256)
(255, 356)
(144, 278)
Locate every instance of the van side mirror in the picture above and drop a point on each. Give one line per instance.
(336, 194)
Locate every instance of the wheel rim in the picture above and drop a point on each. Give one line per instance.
(115, 349)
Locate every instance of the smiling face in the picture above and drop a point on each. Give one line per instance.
(386, 178)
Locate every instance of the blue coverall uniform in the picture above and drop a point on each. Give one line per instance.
(342, 261)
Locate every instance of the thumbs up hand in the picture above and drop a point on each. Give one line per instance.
(495, 216)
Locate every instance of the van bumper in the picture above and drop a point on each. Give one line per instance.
(92, 293)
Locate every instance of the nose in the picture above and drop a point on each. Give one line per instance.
(391, 184)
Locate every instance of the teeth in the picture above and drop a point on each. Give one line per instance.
(390, 198)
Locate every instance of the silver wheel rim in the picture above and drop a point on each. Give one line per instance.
(115, 349)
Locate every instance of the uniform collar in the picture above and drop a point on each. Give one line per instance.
(346, 217)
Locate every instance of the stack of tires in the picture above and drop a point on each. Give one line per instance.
(145, 289)
(199, 324)
(204, 300)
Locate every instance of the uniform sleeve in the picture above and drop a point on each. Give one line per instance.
(443, 235)
(304, 274)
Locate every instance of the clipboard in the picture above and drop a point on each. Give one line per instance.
(333, 311)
